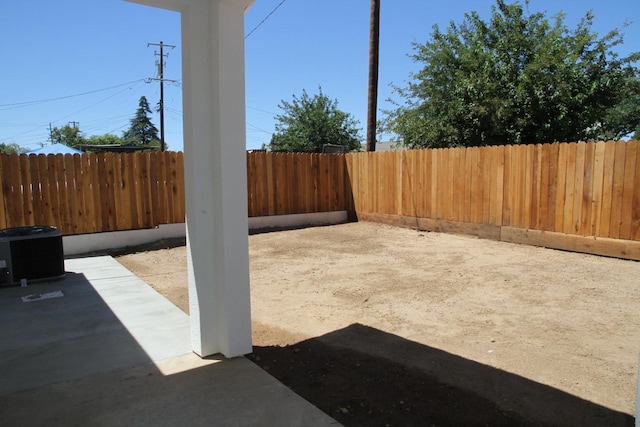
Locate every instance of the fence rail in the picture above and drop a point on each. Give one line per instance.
(504, 192)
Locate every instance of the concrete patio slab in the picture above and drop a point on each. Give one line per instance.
(112, 351)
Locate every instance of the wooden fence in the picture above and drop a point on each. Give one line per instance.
(92, 193)
(288, 183)
(549, 194)
(576, 196)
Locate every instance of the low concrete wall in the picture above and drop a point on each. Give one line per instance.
(86, 243)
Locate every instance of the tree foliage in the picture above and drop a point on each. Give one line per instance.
(517, 79)
(11, 148)
(308, 123)
(68, 135)
(106, 139)
(142, 131)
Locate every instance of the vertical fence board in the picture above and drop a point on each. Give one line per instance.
(36, 191)
(569, 187)
(154, 184)
(527, 202)
(271, 190)
(87, 194)
(162, 194)
(507, 187)
(4, 215)
(111, 191)
(460, 180)
(518, 192)
(628, 190)
(578, 186)
(398, 182)
(553, 186)
(27, 190)
(169, 163)
(69, 183)
(45, 189)
(407, 186)
(447, 194)
(131, 184)
(587, 189)
(467, 177)
(126, 203)
(54, 189)
(497, 176)
(635, 220)
(63, 193)
(486, 170)
(617, 190)
(440, 207)
(306, 184)
(11, 183)
(252, 184)
(94, 181)
(597, 191)
(607, 188)
(179, 187)
(475, 202)
(252, 195)
(544, 185)
(80, 222)
(536, 172)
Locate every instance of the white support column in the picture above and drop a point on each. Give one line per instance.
(215, 173)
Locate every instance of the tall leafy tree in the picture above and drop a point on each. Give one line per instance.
(68, 135)
(309, 122)
(518, 78)
(142, 131)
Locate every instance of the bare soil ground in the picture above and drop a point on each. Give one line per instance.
(378, 325)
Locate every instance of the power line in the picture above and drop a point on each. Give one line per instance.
(261, 110)
(265, 18)
(41, 101)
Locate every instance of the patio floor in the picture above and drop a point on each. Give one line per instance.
(101, 347)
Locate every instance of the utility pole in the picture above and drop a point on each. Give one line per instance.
(74, 124)
(374, 42)
(161, 79)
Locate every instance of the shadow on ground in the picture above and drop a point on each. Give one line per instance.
(362, 376)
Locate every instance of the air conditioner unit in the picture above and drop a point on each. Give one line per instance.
(32, 252)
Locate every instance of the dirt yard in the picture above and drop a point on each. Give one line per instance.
(378, 325)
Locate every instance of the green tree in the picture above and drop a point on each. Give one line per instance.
(142, 131)
(517, 79)
(106, 139)
(12, 148)
(68, 135)
(308, 123)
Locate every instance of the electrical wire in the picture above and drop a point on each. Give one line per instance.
(41, 101)
(265, 18)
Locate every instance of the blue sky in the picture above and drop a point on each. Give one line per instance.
(86, 61)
